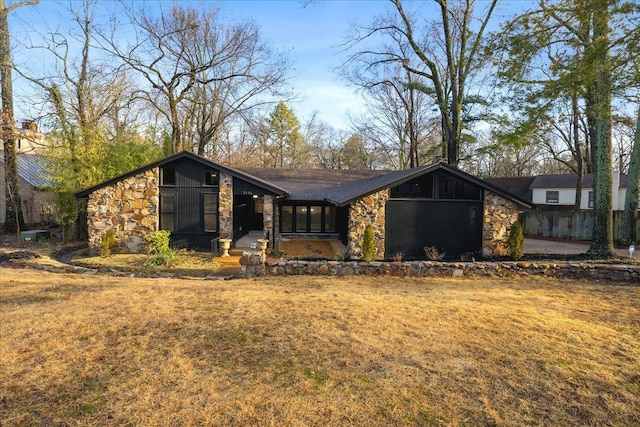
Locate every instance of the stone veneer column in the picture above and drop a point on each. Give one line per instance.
(368, 210)
(267, 217)
(130, 207)
(225, 205)
(499, 214)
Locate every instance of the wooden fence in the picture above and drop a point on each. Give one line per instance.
(566, 224)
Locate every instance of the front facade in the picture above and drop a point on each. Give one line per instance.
(200, 201)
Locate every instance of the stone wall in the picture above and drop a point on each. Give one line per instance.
(368, 210)
(499, 214)
(225, 205)
(130, 207)
(267, 217)
(609, 272)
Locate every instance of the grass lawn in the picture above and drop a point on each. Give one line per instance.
(294, 351)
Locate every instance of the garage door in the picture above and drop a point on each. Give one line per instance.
(452, 226)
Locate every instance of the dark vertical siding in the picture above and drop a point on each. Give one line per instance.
(189, 218)
(454, 227)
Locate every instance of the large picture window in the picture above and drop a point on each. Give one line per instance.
(210, 211)
(307, 219)
(167, 212)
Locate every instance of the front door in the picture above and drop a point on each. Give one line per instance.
(247, 215)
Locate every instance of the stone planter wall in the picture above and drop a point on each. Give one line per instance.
(225, 205)
(130, 207)
(499, 214)
(597, 272)
(368, 210)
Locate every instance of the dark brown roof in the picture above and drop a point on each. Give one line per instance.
(313, 184)
(569, 181)
(518, 185)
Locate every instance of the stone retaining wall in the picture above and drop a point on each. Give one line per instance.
(613, 272)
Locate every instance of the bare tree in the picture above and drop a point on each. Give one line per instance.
(259, 76)
(190, 56)
(14, 220)
(446, 57)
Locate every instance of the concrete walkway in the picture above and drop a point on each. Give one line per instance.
(543, 246)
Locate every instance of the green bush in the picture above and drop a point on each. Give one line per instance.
(158, 241)
(161, 253)
(515, 241)
(107, 242)
(369, 244)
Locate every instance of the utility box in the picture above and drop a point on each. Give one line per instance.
(35, 235)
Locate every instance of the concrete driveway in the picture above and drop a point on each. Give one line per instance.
(543, 246)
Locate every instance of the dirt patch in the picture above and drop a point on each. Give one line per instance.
(312, 248)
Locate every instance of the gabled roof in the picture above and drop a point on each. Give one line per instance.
(570, 181)
(32, 168)
(185, 154)
(338, 187)
(341, 187)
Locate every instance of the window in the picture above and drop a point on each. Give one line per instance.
(307, 219)
(286, 219)
(315, 219)
(167, 212)
(210, 210)
(329, 219)
(590, 205)
(168, 175)
(553, 196)
(301, 219)
(211, 177)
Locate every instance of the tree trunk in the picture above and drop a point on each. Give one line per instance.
(602, 241)
(578, 151)
(14, 221)
(630, 215)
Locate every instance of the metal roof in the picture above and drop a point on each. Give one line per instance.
(32, 168)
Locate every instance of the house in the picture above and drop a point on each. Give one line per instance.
(38, 201)
(558, 192)
(199, 200)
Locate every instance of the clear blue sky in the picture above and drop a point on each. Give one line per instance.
(310, 33)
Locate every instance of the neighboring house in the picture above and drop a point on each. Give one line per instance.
(199, 200)
(558, 192)
(29, 140)
(38, 201)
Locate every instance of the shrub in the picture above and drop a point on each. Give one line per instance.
(161, 253)
(433, 253)
(158, 241)
(515, 241)
(369, 244)
(107, 242)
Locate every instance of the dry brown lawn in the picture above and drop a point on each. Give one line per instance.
(294, 351)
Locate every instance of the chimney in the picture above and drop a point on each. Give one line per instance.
(30, 125)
